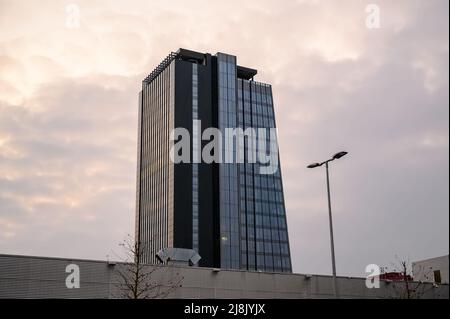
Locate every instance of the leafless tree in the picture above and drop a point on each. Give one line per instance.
(137, 280)
(408, 288)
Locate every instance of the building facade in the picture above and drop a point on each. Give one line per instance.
(229, 212)
(434, 270)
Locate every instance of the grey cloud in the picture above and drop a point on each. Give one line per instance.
(58, 193)
(390, 194)
(384, 98)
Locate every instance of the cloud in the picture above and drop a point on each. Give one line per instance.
(68, 119)
(68, 168)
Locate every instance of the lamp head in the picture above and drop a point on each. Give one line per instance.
(314, 165)
(339, 155)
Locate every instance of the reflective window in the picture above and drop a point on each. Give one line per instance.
(252, 214)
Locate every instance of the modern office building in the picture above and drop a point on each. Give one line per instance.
(230, 213)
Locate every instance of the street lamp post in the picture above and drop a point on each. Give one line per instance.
(333, 260)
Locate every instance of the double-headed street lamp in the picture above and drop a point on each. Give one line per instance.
(333, 261)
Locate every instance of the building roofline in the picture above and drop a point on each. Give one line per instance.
(178, 266)
(428, 259)
(188, 267)
(196, 57)
(246, 73)
(56, 258)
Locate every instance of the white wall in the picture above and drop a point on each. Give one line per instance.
(423, 269)
(40, 277)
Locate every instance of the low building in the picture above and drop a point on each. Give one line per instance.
(433, 270)
(395, 276)
(44, 277)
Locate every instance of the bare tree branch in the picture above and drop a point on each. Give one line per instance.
(142, 281)
(408, 288)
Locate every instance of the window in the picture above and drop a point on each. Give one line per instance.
(437, 276)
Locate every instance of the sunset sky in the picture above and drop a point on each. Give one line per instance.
(69, 104)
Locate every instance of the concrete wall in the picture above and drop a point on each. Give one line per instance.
(39, 277)
(423, 269)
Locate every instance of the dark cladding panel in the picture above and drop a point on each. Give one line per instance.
(192, 56)
(206, 198)
(215, 167)
(183, 171)
(245, 73)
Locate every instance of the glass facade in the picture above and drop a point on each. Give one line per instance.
(195, 148)
(263, 228)
(241, 222)
(228, 173)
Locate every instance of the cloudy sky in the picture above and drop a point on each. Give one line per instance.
(68, 119)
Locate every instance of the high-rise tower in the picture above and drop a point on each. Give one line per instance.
(230, 213)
